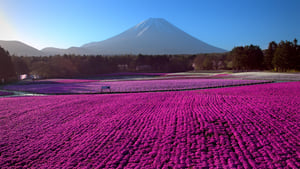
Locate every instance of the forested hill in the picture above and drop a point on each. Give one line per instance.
(284, 56)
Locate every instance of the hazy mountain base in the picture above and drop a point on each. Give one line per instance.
(275, 76)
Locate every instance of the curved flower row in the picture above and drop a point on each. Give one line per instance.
(4, 93)
(130, 86)
(241, 127)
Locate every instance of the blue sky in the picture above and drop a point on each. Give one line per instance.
(222, 23)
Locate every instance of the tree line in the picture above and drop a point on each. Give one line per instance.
(281, 57)
(284, 56)
(84, 66)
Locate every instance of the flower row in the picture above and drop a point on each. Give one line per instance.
(130, 86)
(4, 93)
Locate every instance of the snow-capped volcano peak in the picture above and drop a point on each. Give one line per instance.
(157, 22)
(154, 24)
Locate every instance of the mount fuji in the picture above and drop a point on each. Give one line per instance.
(152, 36)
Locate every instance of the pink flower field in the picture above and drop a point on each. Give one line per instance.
(253, 126)
(72, 86)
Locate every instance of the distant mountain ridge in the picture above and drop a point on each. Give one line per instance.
(71, 50)
(154, 36)
(20, 49)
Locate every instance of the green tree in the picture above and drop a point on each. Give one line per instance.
(7, 72)
(208, 63)
(198, 62)
(247, 58)
(179, 64)
(296, 55)
(254, 57)
(20, 65)
(285, 57)
(295, 42)
(268, 57)
(239, 58)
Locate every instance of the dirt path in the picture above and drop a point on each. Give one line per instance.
(19, 93)
(268, 76)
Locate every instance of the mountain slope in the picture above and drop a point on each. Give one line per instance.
(71, 50)
(153, 36)
(20, 49)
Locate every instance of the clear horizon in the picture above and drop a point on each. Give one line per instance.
(224, 24)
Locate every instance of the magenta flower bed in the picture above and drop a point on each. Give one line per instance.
(129, 86)
(240, 127)
(65, 81)
(3, 93)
